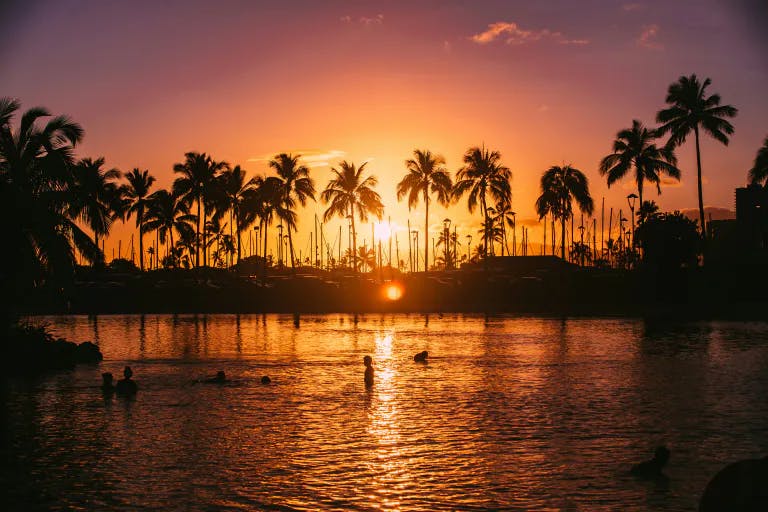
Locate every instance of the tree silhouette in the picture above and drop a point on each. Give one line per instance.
(136, 193)
(689, 110)
(503, 216)
(233, 189)
(168, 212)
(295, 185)
(634, 149)
(348, 191)
(759, 171)
(559, 187)
(426, 173)
(483, 175)
(35, 191)
(197, 182)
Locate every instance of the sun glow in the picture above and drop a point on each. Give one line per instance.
(393, 291)
(382, 231)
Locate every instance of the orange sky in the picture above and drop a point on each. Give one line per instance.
(545, 84)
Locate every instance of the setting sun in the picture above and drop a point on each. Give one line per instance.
(393, 291)
(382, 231)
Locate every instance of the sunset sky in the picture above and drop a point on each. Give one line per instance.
(545, 83)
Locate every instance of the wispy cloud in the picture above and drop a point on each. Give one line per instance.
(310, 157)
(648, 37)
(634, 6)
(364, 20)
(512, 34)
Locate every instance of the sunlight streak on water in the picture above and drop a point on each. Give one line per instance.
(509, 413)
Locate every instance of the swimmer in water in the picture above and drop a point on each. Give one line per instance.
(265, 379)
(107, 387)
(220, 378)
(126, 386)
(368, 362)
(421, 357)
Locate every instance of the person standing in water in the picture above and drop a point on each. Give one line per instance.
(368, 362)
(127, 386)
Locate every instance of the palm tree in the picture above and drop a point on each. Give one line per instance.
(166, 213)
(503, 216)
(690, 109)
(647, 210)
(759, 172)
(347, 191)
(233, 190)
(559, 187)
(197, 182)
(136, 193)
(634, 148)
(35, 179)
(426, 173)
(483, 175)
(93, 194)
(295, 184)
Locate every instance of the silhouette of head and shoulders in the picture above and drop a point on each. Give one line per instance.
(107, 383)
(653, 468)
(126, 386)
(368, 362)
(421, 357)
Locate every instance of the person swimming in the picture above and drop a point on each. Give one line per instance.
(126, 386)
(421, 357)
(652, 468)
(265, 379)
(107, 386)
(368, 362)
(220, 378)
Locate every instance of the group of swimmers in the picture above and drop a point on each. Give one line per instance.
(128, 387)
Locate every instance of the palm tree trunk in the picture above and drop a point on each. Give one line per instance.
(290, 248)
(426, 230)
(485, 225)
(354, 236)
(205, 239)
(197, 238)
(140, 222)
(264, 229)
(173, 257)
(701, 194)
(237, 230)
(562, 237)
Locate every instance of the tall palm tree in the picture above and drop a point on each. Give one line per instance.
(233, 190)
(689, 110)
(197, 183)
(483, 175)
(136, 193)
(559, 187)
(348, 191)
(503, 216)
(35, 178)
(759, 172)
(295, 185)
(93, 195)
(168, 213)
(634, 149)
(426, 173)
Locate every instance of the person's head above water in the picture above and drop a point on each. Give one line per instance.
(367, 361)
(220, 375)
(127, 372)
(265, 379)
(106, 379)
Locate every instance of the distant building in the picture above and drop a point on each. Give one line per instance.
(745, 239)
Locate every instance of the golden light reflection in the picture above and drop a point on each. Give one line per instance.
(393, 291)
(382, 231)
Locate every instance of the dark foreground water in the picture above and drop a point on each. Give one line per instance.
(512, 413)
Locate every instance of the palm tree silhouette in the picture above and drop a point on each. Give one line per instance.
(168, 212)
(483, 175)
(136, 193)
(295, 185)
(346, 192)
(634, 148)
(35, 194)
(197, 182)
(647, 210)
(93, 194)
(426, 173)
(503, 216)
(759, 171)
(690, 109)
(559, 187)
(233, 190)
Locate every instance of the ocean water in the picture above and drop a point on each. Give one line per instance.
(509, 413)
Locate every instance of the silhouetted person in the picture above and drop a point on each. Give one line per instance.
(421, 357)
(368, 362)
(738, 487)
(265, 379)
(220, 378)
(107, 386)
(126, 386)
(652, 468)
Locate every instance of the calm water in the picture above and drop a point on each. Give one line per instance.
(513, 413)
